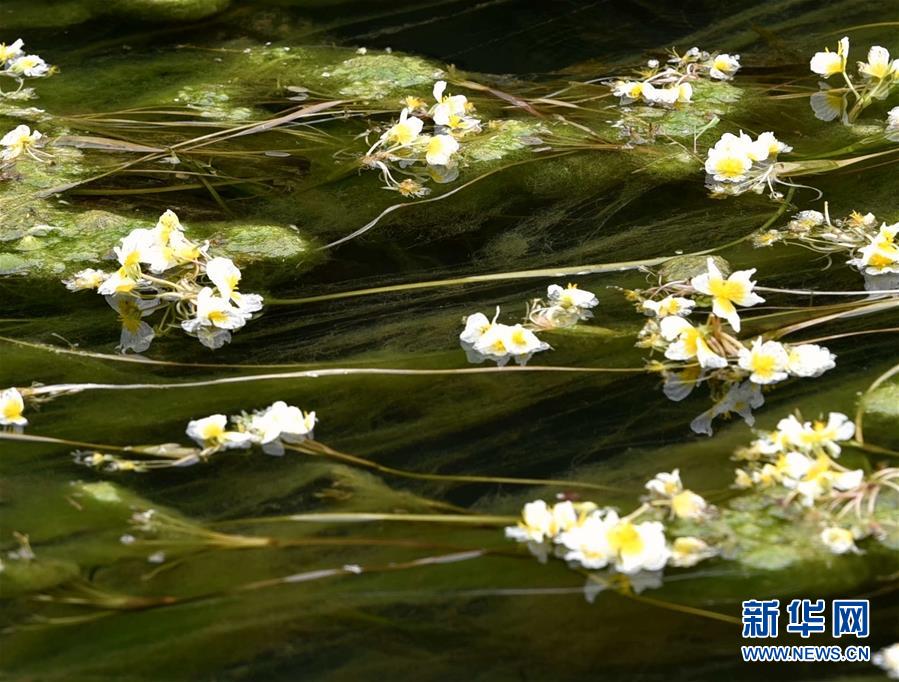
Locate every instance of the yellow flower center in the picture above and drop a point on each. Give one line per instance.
(212, 431)
(730, 167)
(625, 539)
(727, 289)
(763, 365)
(217, 317)
(12, 410)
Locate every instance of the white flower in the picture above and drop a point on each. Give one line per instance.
(689, 342)
(670, 305)
(11, 407)
(225, 275)
(406, 131)
(689, 551)
(724, 66)
(138, 246)
(571, 297)
(18, 141)
(878, 65)
(740, 399)
(440, 149)
(667, 96)
(888, 659)
(828, 63)
(475, 327)
(809, 360)
(136, 335)
(728, 165)
(211, 432)
(688, 505)
(11, 51)
(215, 319)
(818, 434)
(893, 118)
(881, 255)
(588, 542)
(772, 145)
(628, 91)
(520, 341)
(766, 361)
(281, 423)
(727, 293)
(637, 547)
(29, 65)
(665, 484)
(828, 105)
(838, 540)
(85, 279)
(539, 522)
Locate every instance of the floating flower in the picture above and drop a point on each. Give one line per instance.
(29, 65)
(809, 360)
(211, 432)
(881, 255)
(879, 65)
(809, 436)
(482, 339)
(689, 342)
(893, 119)
(11, 51)
(226, 276)
(281, 423)
(838, 540)
(888, 659)
(440, 149)
(670, 305)
(688, 551)
(828, 63)
(85, 279)
(405, 131)
(603, 538)
(18, 141)
(740, 399)
(766, 361)
(628, 91)
(136, 335)
(215, 319)
(539, 522)
(727, 293)
(723, 66)
(684, 504)
(828, 105)
(11, 408)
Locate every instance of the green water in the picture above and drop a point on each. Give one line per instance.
(487, 609)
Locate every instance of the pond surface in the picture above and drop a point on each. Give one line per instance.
(316, 565)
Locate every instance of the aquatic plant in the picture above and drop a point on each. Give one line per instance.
(670, 84)
(403, 149)
(871, 242)
(735, 369)
(173, 285)
(791, 471)
(738, 164)
(875, 81)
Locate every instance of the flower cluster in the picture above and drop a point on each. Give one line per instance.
(162, 270)
(669, 84)
(796, 465)
(15, 63)
(405, 150)
(875, 80)
(11, 408)
(484, 339)
(591, 537)
(874, 249)
(734, 369)
(738, 164)
(270, 429)
(21, 140)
